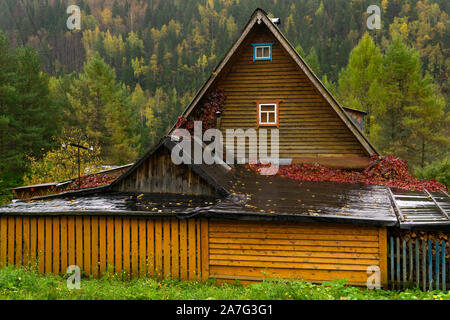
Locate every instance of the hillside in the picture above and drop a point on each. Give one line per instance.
(144, 60)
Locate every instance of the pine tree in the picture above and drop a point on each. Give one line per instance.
(357, 82)
(28, 119)
(103, 112)
(411, 117)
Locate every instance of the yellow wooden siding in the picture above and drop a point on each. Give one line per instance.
(194, 249)
(309, 127)
(313, 252)
(127, 244)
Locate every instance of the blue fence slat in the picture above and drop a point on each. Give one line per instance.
(424, 266)
(437, 264)
(430, 266)
(411, 265)
(422, 263)
(404, 263)
(444, 285)
(417, 264)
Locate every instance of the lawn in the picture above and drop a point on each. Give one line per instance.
(26, 283)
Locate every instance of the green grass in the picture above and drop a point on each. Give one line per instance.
(26, 283)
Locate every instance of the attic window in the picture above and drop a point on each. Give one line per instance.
(262, 51)
(267, 112)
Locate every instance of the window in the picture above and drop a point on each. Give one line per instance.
(267, 113)
(262, 51)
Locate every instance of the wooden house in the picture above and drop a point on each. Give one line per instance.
(227, 222)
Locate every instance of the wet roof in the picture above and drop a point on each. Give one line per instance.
(265, 196)
(110, 203)
(419, 209)
(249, 195)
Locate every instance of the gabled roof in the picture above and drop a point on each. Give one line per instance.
(209, 173)
(259, 16)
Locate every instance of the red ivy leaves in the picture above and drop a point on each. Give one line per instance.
(205, 113)
(382, 170)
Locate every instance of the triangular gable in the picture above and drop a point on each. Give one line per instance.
(156, 173)
(258, 17)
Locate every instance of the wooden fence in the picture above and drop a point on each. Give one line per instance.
(155, 246)
(419, 263)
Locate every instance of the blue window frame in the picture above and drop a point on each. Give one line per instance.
(262, 51)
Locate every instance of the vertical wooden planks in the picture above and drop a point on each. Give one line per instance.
(158, 247)
(64, 247)
(26, 240)
(392, 262)
(103, 262)
(437, 264)
(118, 244)
(79, 242)
(444, 280)
(411, 264)
(3, 241)
(48, 244)
(183, 250)
(404, 263)
(175, 249)
(191, 249)
(86, 249)
(71, 241)
(94, 246)
(398, 279)
(134, 247)
(142, 246)
(41, 243)
(198, 250)
(11, 229)
(424, 266)
(430, 265)
(151, 246)
(18, 241)
(417, 264)
(110, 242)
(126, 244)
(205, 254)
(56, 244)
(33, 240)
(166, 247)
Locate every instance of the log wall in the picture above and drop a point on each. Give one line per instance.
(308, 125)
(193, 249)
(316, 252)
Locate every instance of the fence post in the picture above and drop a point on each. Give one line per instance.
(417, 264)
(437, 264)
(443, 265)
(430, 265)
(392, 262)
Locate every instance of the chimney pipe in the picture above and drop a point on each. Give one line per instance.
(276, 21)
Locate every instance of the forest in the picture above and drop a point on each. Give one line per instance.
(119, 83)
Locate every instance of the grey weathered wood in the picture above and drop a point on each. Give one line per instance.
(437, 204)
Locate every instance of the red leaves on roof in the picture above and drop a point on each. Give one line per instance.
(382, 170)
(94, 180)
